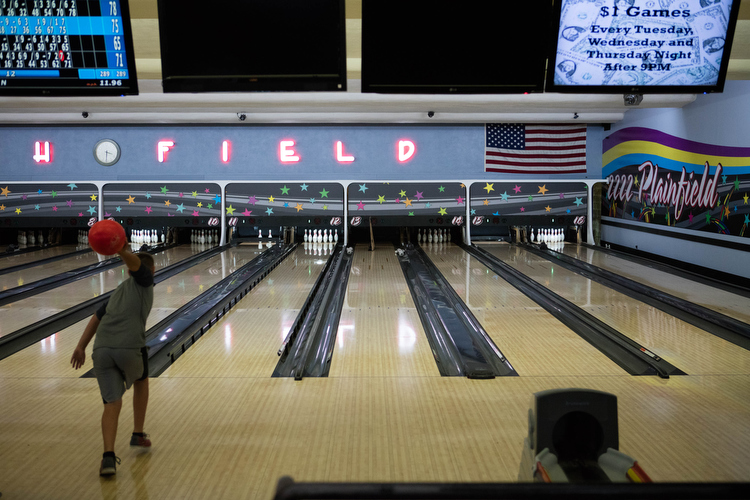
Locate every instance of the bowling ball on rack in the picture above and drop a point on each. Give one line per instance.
(107, 237)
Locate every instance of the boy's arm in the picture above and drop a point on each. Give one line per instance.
(130, 259)
(79, 355)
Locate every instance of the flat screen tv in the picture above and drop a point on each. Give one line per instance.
(466, 47)
(252, 45)
(66, 48)
(642, 46)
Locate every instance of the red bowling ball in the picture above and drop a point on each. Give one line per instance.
(107, 237)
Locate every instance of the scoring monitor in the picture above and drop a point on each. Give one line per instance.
(66, 48)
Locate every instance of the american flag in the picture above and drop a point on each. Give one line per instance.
(535, 149)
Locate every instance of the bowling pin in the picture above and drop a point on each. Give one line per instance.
(429, 236)
(305, 238)
(336, 236)
(260, 233)
(269, 234)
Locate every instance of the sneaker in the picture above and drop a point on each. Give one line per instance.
(109, 466)
(142, 441)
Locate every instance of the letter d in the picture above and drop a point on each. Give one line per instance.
(406, 150)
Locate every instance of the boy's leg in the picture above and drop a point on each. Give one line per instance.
(140, 403)
(110, 417)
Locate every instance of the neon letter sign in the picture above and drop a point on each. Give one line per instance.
(42, 152)
(162, 148)
(406, 150)
(286, 154)
(340, 156)
(225, 151)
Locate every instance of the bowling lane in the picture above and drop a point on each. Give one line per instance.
(51, 356)
(46, 253)
(42, 271)
(533, 340)
(245, 341)
(685, 346)
(380, 333)
(721, 301)
(32, 309)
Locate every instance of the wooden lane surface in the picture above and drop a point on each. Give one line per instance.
(32, 309)
(51, 356)
(534, 341)
(45, 253)
(721, 301)
(380, 333)
(25, 276)
(245, 341)
(691, 349)
(234, 437)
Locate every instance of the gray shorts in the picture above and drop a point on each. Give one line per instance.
(117, 369)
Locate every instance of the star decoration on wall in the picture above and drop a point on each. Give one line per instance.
(195, 194)
(360, 205)
(230, 210)
(298, 206)
(270, 199)
(407, 202)
(517, 189)
(547, 208)
(91, 210)
(543, 189)
(181, 207)
(324, 193)
(148, 210)
(247, 212)
(402, 194)
(53, 193)
(381, 199)
(442, 211)
(148, 195)
(5, 191)
(363, 188)
(578, 202)
(303, 187)
(252, 200)
(130, 199)
(489, 187)
(167, 203)
(164, 190)
(284, 190)
(269, 211)
(419, 195)
(72, 186)
(93, 197)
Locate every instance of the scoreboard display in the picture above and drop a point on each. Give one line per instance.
(66, 48)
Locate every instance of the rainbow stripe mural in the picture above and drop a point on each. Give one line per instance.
(657, 178)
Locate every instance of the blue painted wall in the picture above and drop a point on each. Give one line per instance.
(443, 152)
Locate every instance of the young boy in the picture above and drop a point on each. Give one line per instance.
(120, 355)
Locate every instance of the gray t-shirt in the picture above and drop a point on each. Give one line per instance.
(123, 318)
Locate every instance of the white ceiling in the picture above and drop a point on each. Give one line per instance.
(152, 106)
